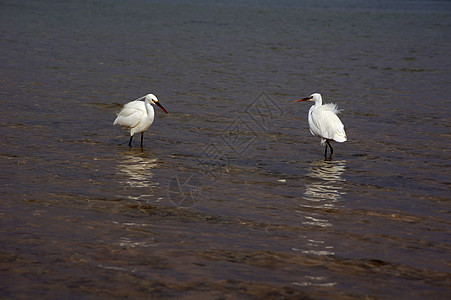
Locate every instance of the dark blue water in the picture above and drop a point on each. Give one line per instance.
(230, 197)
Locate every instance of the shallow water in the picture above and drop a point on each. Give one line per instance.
(230, 196)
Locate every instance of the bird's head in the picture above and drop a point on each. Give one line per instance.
(313, 97)
(151, 98)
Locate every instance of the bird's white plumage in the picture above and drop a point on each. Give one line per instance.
(136, 115)
(324, 123)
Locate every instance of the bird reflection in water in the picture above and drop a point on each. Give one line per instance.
(323, 192)
(326, 188)
(136, 170)
(136, 177)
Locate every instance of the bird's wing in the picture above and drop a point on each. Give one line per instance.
(326, 124)
(338, 129)
(129, 116)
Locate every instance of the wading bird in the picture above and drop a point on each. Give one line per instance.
(138, 115)
(324, 123)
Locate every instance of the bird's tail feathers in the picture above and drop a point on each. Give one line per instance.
(340, 136)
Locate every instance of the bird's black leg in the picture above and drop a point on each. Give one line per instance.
(331, 149)
(142, 137)
(325, 152)
(130, 141)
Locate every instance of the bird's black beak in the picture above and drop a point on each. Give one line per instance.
(305, 99)
(161, 106)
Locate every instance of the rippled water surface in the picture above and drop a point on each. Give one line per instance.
(230, 197)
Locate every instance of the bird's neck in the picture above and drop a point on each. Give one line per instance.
(149, 109)
(318, 102)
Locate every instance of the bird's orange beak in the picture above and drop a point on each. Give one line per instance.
(304, 99)
(161, 106)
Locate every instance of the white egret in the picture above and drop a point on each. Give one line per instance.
(138, 115)
(324, 122)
